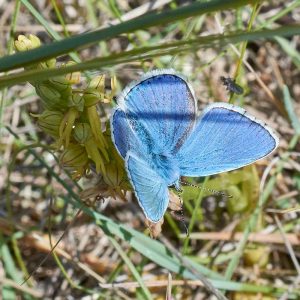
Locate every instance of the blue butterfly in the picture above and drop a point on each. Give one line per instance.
(156, 131)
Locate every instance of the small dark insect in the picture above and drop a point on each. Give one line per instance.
(231, 85)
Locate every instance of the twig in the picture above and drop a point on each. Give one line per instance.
(273, 238)
(22, 288)
(292, 255)
(206, 283)
(151, 283)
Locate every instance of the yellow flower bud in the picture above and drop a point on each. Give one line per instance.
(98, 83)
(76, 100)
(21, 43)
(82, 132)
(24, 43)
(35, 41)
(92, 96)
(49, 122)
(72, 78)
(113, 84)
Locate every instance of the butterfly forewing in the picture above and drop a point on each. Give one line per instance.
(165, 105)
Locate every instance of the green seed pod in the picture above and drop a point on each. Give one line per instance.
(82, 132)
(114, 174)
(49, 121)
(74, 156)
(50, 97)
(92, 96)
(77, 101)
(62, 85)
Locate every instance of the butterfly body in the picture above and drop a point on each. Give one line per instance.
(155, 130)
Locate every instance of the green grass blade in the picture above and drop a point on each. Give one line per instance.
(10, 269)
(289, 50)
(131, 267)
(288, 102)
(55, 49)
(150, 52)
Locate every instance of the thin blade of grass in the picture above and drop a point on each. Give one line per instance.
(288, 102)
(67, 45)
(146, 293)
(148, 53)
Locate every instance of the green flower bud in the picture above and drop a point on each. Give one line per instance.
(62, 85)
(82, 132)
(35, 41)
(92, 96)
(74, 157)
(76, 100)
(49, 122)
(50, 97)
(50, 63)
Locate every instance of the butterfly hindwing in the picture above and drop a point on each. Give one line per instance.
(164, 103)
(150, 189)
(225, 138)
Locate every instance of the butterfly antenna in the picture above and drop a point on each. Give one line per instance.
(182, 219)
(214, 192)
